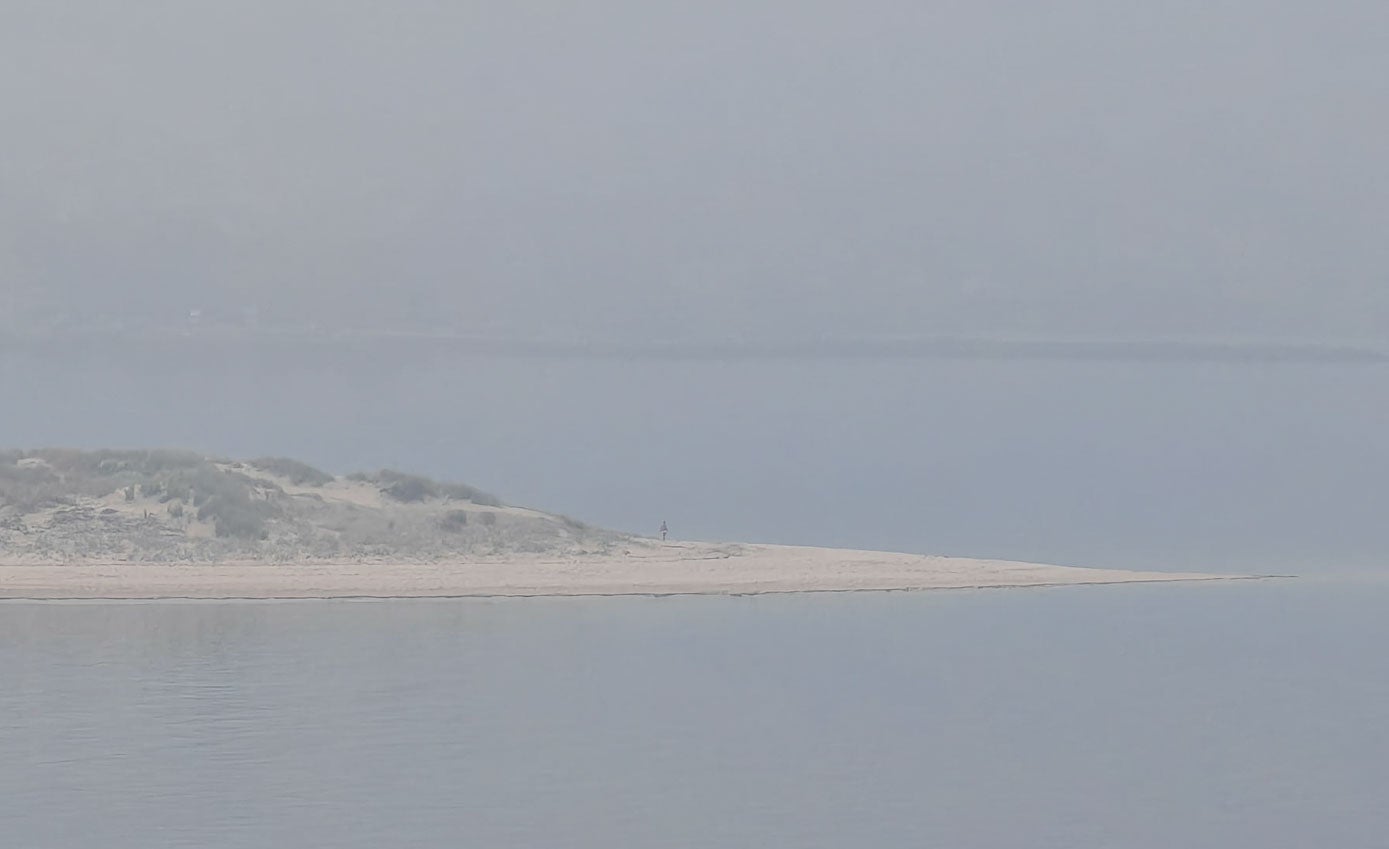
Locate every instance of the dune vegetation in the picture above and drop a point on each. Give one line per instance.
(170, 505)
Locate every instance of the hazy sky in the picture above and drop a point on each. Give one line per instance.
(710, 171)
(1057, 169)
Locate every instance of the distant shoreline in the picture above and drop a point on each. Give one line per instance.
(946, 348)
(646, 568)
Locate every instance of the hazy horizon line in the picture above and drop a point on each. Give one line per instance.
(925, 347)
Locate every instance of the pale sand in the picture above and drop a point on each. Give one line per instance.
(641, 569)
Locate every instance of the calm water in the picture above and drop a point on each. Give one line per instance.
(1144, 716)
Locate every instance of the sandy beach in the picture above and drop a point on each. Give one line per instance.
(642, 569)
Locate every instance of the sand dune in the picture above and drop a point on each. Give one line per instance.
(641, 568)
(176, 524)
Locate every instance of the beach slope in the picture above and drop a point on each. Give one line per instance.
(640, 568)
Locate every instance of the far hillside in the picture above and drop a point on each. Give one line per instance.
(169, 505)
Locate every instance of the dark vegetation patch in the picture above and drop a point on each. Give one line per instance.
(411, 489)
(405, 488)
(29, 488)
(299, 474)
(454, 520)
(237, 515)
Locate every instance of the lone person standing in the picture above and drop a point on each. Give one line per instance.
(664, 530)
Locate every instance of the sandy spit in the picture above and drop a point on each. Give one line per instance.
(641, 569)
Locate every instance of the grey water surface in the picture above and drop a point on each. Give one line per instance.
(1243, 714)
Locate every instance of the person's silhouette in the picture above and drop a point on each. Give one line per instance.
(663, 530)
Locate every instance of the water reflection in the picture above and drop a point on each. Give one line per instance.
(1150, 716)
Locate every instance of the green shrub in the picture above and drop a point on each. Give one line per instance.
(463, 492)
(454, 520)
(242, 526)
(207, 482)
(299, 474)
(237, 516)
(176, 491)
(407, 488)
(108, 463)
(28, 488)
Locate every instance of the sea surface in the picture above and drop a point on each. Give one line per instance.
(1210, 715)
(1143, 716)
